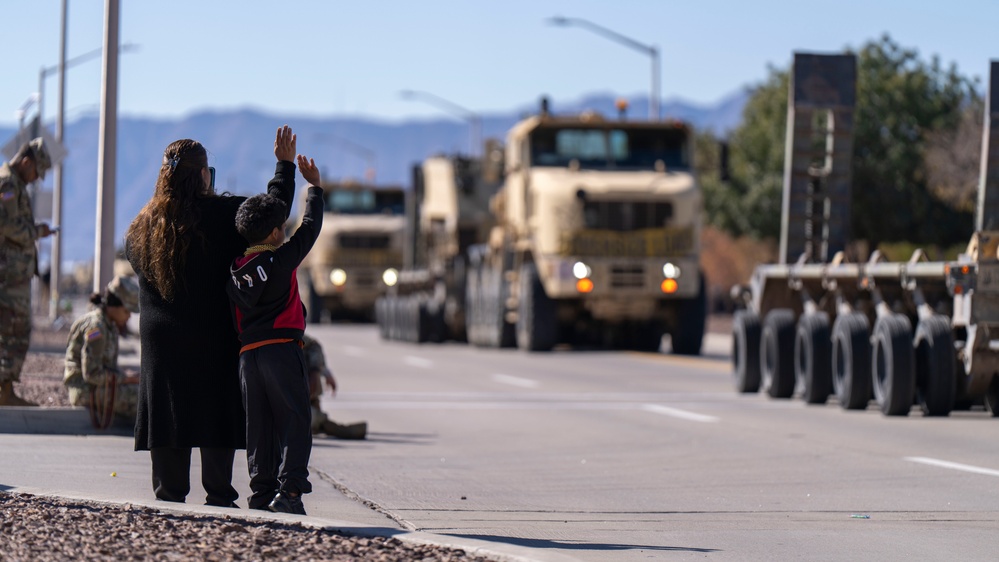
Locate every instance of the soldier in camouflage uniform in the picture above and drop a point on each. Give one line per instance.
(18, 261)
(315, 362)
(92, 353)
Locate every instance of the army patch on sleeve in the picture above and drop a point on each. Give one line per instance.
(93, 334)
(6, 195)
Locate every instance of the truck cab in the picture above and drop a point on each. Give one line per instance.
(358, 254)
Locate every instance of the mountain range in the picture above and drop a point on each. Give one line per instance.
(240, 145)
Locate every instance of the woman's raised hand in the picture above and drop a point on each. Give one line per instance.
(285, 144)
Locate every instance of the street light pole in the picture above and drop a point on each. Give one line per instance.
(55, 267)
(651, 50)
(107, 149)
(473, 118)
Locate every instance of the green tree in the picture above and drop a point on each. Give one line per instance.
(903, 104)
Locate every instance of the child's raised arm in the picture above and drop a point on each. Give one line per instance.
(285, 143)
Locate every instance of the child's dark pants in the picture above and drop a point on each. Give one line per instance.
(275, 388)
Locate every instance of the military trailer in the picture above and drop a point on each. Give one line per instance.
(358, 254)
(915, 333)
(597, 238)
(447, 213)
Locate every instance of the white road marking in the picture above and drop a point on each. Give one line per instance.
(677, 413)
(420, 362)
(954, 465)
(515, 381)
(353, 351)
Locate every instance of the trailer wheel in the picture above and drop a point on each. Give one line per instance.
(777, 353)
(934, 354)
(851, 361)
(501, 333)
(892, 358)
(746, 350)
(473, 314)
(812, 357)
(536, 323)
(688, 335)
(991, 397)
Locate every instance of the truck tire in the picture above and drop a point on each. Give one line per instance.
(380, 317)
(892, 369)
(688, 334)
(991, 397)
(746, 350)
(936, 382)
(851, 361)
(813, 358)
(537, 329)
(501, 333)
(473, 313)
(777, 353)
(314, 306)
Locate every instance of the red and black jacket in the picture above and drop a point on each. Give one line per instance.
(263, 290)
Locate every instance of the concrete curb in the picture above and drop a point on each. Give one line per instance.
(53, 421)
(498, 551)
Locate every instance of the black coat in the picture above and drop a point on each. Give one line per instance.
(189, 393)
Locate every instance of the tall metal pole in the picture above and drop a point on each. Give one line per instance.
(106, 152)
(654, 113)
(55, 269)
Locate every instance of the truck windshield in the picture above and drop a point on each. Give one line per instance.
(628, 149)
(365, 202)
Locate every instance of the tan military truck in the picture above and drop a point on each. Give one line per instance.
(358, 253)
(597, 238)
(447, 213)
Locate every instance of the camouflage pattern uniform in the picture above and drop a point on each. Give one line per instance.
(18, 263)
(315, 362)
(91, 357)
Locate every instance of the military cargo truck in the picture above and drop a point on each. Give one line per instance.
(447, 213)
(358, 254)
(597, 238)
(902, 334)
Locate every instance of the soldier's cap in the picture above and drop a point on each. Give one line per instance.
(125, 289)
(40, 154)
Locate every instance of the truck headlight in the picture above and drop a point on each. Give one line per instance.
(338, 277)
(580, 270)
(390, 276)
(671, 271)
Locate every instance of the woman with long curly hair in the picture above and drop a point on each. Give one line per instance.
(181, 245)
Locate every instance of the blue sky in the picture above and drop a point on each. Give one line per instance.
(323, 58)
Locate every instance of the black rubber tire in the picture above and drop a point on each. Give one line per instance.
(936, 382)
(502, 334)
(813, 358)
(688, 336)
(851, 361)
(892, 365)
(777, 353)
(746, 350)
(473, 324)
(991, 398)
(537, 327)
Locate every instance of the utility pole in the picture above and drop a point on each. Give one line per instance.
(55, 268)
(106, 152)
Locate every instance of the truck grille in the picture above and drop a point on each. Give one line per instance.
(624, 216)
(650, 243)
(627, 277)
(379, 258)
(364, 241)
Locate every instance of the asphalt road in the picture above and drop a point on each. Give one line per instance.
(597, 456)
(626, 456)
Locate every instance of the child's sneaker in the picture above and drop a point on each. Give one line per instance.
(284, 502)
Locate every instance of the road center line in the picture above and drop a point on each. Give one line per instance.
(954, 465)
(677, 413)
(420, 362)
(515, 381)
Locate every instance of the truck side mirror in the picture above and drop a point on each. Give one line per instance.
(723, 171)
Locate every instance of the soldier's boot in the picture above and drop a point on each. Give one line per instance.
(8, 398)
(349, 431)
